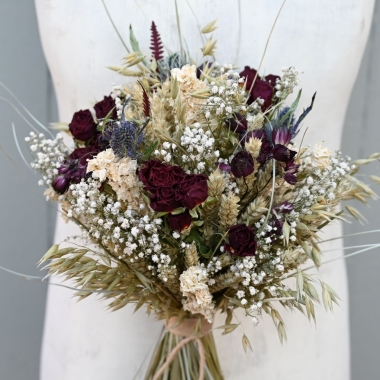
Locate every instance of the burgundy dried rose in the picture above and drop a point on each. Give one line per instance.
(84, 154)
(163, 200)
(156, 174)
(242, 241)
(192, 190)
(104, 107)
(83, 126)
(242, 164)
(61, 183)
(263, 88)
(180, 222)
(282, 153)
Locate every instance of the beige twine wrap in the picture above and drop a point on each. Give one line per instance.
(186, 329)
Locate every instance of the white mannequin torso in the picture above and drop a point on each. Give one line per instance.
(323, 39)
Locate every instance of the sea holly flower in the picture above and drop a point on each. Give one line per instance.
(241, 241)
(126, 139)
(242, 164)
(83, 126)
(263, 88)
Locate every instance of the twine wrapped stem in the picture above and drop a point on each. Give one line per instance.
(186, 329)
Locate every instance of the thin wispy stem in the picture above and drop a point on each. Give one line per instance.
(178, 26)
(115, 28)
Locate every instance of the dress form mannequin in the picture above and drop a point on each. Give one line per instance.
(323, 39)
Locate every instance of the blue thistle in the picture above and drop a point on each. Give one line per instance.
(127, 138)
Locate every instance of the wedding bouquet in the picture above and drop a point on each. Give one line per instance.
(194, 199)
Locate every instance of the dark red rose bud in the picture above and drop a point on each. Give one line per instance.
(282, 153)
(263, 88)
(156, 174)
(83, 126)
(163, 200)
(237, 124)
(192, 190)
(180, 222)
(242, 241)
(103, 108)
(61, 184)
(84, 154)
(242, 164)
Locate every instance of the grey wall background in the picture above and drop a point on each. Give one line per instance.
(27, 221)
(361, 138)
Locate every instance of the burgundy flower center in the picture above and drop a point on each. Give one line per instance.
(243, 237)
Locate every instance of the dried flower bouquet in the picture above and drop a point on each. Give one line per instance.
(195, 199)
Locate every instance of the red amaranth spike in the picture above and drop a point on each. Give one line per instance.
(146, 102)
(156, 46)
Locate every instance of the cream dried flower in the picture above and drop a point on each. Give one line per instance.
(120, 173)
(188, 84)
(191, 304)
(99, 165)
(193, 285)
(321, 156)
(253, 146)
(124, 181)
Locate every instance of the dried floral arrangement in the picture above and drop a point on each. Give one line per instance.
(194, 199)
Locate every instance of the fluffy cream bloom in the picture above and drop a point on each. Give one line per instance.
(99, 165)
(120, 173)
(124, 181)
(193, 286)
(253, 146)
(321, 156)
(189, 83)
(191, 304)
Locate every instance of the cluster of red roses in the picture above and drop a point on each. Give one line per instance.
(170, 188)
(84, 128)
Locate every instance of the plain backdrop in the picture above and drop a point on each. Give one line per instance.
(27, 221)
